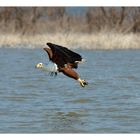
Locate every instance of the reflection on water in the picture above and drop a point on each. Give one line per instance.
(33, 102)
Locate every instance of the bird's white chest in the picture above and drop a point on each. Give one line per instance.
(52, 67)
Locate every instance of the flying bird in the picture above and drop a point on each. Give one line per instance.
(62, 60)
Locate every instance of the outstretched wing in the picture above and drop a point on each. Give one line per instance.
(61, 55)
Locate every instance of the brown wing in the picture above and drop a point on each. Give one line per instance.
(49, 51)
(61, 55)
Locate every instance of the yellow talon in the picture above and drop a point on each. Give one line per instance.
(82, 82)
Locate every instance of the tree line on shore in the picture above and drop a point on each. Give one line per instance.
(33, 20)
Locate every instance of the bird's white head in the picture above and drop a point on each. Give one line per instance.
(39, 65)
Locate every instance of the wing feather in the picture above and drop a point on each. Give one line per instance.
(62, 55)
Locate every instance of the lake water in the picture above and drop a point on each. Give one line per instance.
(33, 102)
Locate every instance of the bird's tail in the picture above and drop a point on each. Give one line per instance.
(82, 61)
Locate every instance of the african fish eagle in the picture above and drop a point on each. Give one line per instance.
(64, 60)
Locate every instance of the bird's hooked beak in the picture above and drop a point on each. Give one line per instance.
(39, 66)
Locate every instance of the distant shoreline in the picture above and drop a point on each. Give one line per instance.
(101, 40)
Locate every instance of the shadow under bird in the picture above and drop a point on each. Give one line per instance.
(62, 60)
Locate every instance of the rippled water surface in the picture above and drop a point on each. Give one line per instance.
(33, 102)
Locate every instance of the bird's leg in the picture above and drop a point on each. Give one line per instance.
(71, 73)
(53, 74)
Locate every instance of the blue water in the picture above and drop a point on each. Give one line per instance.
(33, 102)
